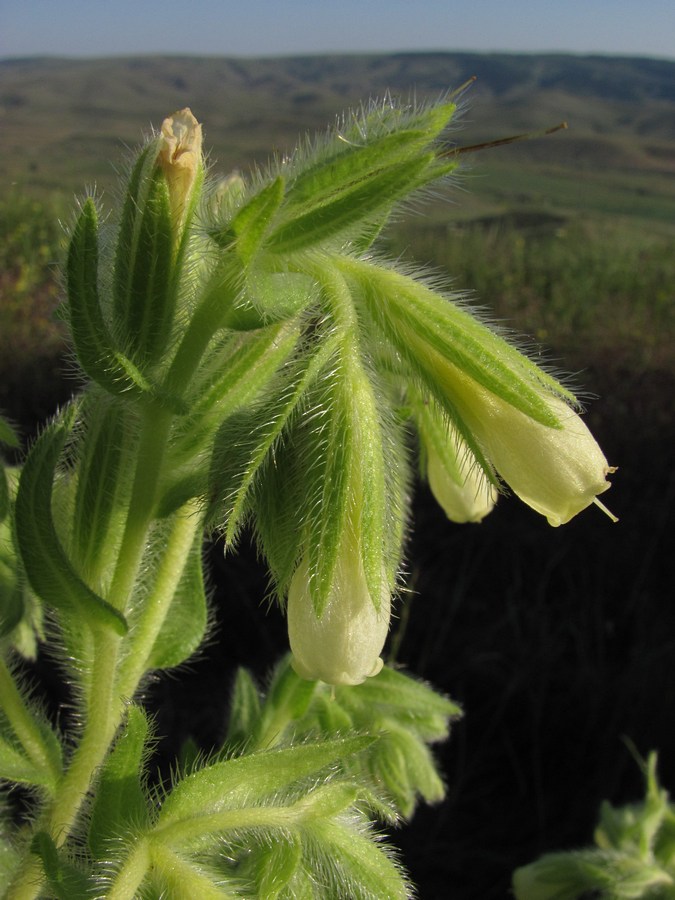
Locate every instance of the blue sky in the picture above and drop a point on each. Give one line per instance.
(266, 27)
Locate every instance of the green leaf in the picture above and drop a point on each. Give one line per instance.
(247, 439)
(287, 701)
(8, 434)
(356, 865)
(4, 494)
(281, 295)
(102, 361)
(361, 204)
(66, 881)
(276, 865)
(144, 288)
(252, 221)
(252, 778)
(185, 623)
(334, 458)
(120, 806)
(49, 570)
(244, 711)
(405, 698)
(421, 323)
(15, 766)
(369, 145)
(98, 483)
(11, 590)
(145, 294)
(373, 494)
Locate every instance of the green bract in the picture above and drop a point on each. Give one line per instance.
(252, 363)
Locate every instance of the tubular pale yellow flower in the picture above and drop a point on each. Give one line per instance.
(180, 156)
(465, 495)
(343, 645)
(556, 471)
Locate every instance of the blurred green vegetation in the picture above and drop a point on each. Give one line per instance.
(32, 341)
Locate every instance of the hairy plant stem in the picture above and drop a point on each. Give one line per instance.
(156, 606)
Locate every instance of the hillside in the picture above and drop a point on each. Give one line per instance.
(64, 123)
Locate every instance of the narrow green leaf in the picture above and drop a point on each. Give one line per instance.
(4, 494)
(174, 876)
(16, 767)
(280, 503)
(130, 225)
(120, 806)
(244, 711)
(49, 570)
(358, 866)
(373, 499)
(287, 701)
(413, 316)
(351, 165)
(102, 361)
(361, 204)
(185, 623)
(334, 467)
(233, 379)
(98, 482)
(276, 865)
(149, 301)
(406, 699)
(249, 437)
(367, 147)
(66, 881)
(252, 778)
(8, 435)
(252, 221)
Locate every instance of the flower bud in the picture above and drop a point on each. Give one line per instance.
(556, 471)
(180, 157)
(343, 644)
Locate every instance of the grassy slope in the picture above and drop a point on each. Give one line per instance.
(64, 121)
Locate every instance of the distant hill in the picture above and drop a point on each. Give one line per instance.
(63, 123)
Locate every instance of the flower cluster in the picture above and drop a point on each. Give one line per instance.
(295, 362)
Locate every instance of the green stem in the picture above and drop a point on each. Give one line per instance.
(156, 606)
(26, 727)
(182, 879)
(103, 719)
(205, 322)
(186, 831)
(148, 468)
(132, 873)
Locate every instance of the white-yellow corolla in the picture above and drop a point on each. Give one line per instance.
(459, 485)
(343, 644)
(557, 471)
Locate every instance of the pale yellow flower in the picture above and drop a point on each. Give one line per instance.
(343, 645)
(556, 471)
(464, 493)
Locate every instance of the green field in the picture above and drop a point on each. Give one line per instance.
(558, 643)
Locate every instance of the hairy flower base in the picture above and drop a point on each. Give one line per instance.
(343, 645)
